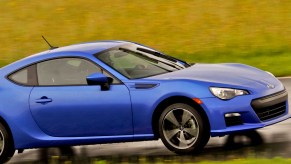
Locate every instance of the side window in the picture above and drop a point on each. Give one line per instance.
(25, 76)
(65, 71)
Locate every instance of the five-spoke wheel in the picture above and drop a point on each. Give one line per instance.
(182, 129)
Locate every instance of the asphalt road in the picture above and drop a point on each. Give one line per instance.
(272, 141)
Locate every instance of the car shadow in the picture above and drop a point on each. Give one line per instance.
(249, 144)
(59, 155)
(243, 139)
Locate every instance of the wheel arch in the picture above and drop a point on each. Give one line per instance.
(171, 100)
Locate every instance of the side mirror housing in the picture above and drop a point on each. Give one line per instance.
(100, 79)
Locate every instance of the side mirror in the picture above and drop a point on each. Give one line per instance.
(99, 79)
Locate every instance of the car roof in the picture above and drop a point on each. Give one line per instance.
(87, 48)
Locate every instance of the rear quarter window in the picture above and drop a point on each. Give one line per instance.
(25, 76)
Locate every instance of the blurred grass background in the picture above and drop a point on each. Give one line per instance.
(253, 32)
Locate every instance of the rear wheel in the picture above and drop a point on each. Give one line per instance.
(182, 129)
(6, 145)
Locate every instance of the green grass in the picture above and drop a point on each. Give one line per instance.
(235, 161)
(251, 161)
(276, 61)
(250, 31)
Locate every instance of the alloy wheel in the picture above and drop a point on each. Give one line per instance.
(180, 128)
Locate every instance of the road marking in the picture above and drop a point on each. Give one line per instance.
(288, 77)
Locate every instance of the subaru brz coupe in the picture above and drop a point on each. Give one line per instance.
(118, 91)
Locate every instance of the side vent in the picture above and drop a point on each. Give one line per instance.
(144, 86)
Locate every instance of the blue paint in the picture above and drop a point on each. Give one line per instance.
(41, 116)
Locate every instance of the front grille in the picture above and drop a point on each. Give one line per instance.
(270, 112)
(271, 106)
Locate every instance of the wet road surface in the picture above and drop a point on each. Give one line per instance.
(272, 141)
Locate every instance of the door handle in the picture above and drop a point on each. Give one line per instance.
(44, 100)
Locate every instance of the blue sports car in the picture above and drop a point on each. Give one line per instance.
(117, 91)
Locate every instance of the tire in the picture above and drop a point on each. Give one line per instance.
(182, 129)
(6, 145)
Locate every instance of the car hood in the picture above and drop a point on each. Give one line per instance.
(225, 75)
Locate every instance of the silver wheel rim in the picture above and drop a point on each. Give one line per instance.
(2, 142)
(180, 128)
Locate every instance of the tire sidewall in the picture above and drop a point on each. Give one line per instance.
(8, 149)
(202, 135)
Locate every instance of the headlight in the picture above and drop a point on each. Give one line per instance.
(227, 93)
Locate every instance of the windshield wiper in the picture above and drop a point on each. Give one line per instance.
(158, 54)
(139, 54)
(156, 61)
(161, 55)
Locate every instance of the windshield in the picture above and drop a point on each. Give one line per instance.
(134, 64)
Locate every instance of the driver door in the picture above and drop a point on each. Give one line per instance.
(63, 105)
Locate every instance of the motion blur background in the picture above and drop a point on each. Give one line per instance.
(253, 32)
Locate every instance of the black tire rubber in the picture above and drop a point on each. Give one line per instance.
(8, 149)
(201, 139)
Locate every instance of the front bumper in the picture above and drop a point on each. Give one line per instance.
(247, 126)
(271, 106)
(256, 112)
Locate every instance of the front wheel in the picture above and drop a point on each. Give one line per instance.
(182, 129)
(6, 145)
